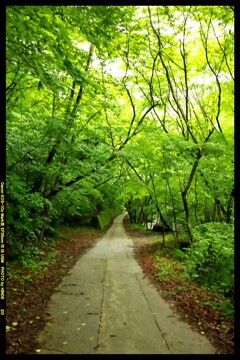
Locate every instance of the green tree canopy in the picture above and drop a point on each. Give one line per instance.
(111, 105)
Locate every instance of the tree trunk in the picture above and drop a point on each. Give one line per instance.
(45, 216)
(186, 208)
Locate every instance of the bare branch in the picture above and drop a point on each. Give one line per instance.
(224, 52)
(215, 73)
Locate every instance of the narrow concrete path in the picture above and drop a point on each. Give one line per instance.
(105, 305)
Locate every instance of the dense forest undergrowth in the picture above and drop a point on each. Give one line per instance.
(31, 286)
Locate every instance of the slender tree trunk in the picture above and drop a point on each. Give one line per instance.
(229, 207)
(45, 215)
(187, 215)
(175, 233)
(196, 202)
(185, 191)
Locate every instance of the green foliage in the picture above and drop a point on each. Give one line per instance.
(169, 263)
(106, 216)
(172, 267)
(24, 217)
(179, 254)
(225, 306)
(32, 259)
(103, 112)
(210, 259)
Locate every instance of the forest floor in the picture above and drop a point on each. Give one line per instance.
(29, 291)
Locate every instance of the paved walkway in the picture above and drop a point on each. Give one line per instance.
(105, 305)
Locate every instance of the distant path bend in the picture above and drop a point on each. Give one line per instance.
(105, 305)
